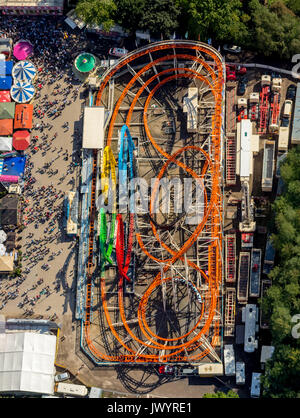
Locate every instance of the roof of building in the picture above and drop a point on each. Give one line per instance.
(7, 110)
(21, 140)
(266, 352)
(6, 127)
(5, 143)
(23, 116)
(85, 62)
(31, 3)
(5, 82)
(9, 209)
(5, 96)
(6, 264)
(27, 362)
(93, 127)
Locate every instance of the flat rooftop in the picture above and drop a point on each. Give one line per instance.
(31, 3)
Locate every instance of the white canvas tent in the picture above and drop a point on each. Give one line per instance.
(27, 362)
(5, 143)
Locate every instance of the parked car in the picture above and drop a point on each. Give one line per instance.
(165, 369)
(230, 72)
(233, 49)
(241, 70)
(241, 87)
(61, 377)
(117, 52)
(291, 92)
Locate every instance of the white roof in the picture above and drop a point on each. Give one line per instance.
(266, 353)
(93, 127)
(27, 362)
(5, 143)
(246, 155)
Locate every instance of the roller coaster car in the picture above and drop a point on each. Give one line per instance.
(255, 267)
(165, 369)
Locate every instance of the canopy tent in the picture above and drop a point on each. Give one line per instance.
(27, 362)
(5, 82)
(5, 143)
(21, 140)
(2, 250)
(85, 62)
(5, 96)
(6, 127)
(23, 49)
(22, 92)
(2, 57)
(23, 71)
(3, 236)
(23, 116)
(6, 67)
(7, 110)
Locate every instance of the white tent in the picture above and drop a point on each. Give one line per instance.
(5, 143)
(3, 236)
(2, 250)
(27, 362)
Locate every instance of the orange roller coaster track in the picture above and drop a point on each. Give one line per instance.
(154, 348)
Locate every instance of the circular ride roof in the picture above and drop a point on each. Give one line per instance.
(85, 62)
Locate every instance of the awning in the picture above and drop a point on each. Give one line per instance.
(70, 22)
(21, 140)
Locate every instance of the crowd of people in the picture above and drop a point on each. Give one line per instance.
(49, 157)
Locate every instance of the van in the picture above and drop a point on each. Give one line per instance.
(61, 377)
(287, 109)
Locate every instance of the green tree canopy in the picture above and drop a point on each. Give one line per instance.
(229, 394)
(99, 12)
(282, 301)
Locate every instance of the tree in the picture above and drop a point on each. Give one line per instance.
(282, 301)
(160, 17)
(129, 14)
(276, 29)
(216, 19)
(229, 394)
(99, 12)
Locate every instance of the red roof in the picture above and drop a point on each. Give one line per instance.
(23, 116)
(5, 96)
(6, 127)
(21, 140)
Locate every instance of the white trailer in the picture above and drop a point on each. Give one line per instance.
(250, 317)
(255, 385)
(283, 138)
(240, 373)
(229, 360)
(71, 389)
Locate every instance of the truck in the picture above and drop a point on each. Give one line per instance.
(255, 385)
(283, 138)
(250, 318)
(269, 256)
(254, 287)
(229, 360)
(71, 389)
(240, 373)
